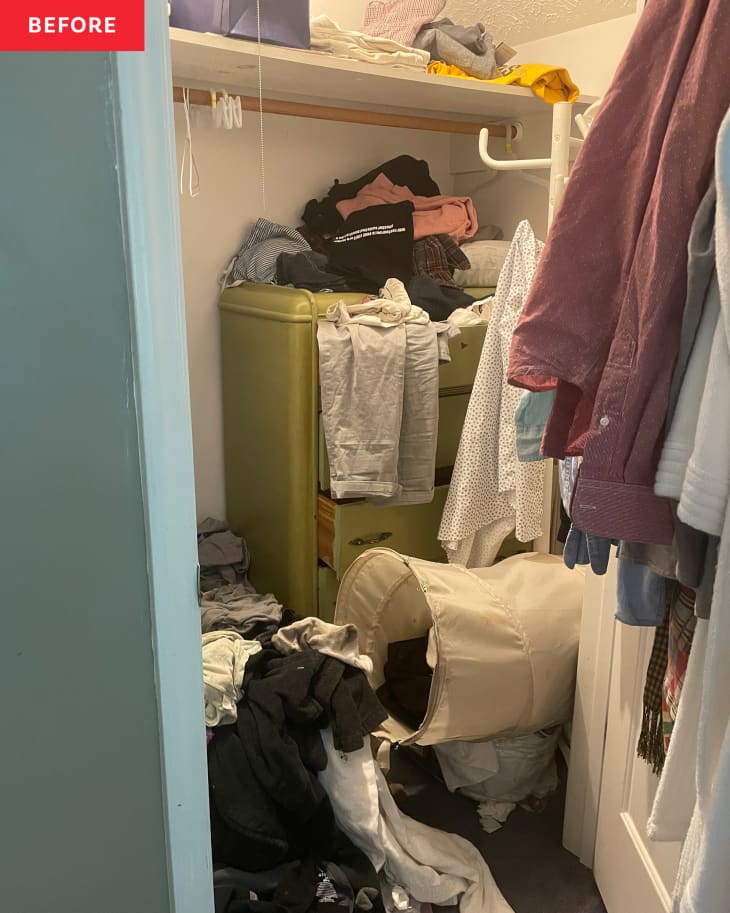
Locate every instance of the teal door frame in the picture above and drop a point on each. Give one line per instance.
(147, 159)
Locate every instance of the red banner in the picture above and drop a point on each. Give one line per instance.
(72, 25)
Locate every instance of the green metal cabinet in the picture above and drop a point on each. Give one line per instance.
(274, 460)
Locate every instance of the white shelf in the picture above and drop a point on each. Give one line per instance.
(206, 61)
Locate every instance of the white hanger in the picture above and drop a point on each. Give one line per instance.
(226, 111)
(188, 155)
(584, 121)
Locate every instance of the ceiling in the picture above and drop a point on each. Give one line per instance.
(516, 21)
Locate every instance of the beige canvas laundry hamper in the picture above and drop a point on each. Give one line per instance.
(503, 644)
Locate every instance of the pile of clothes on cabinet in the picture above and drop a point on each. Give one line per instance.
(301, 815)
(391, 223)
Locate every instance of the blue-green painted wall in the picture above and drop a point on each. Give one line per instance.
(81, 805)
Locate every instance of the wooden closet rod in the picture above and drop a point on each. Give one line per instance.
(350, 115)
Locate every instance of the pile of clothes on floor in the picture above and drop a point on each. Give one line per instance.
(301, 816)
(409, 33)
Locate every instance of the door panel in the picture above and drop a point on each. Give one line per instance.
(632, 873)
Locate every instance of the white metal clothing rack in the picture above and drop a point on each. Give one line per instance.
(558, 164)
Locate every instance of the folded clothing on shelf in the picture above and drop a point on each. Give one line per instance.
(486, 259)
(400, 20)
(329, 37)
(469, 47)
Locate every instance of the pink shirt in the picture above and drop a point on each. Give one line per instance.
(603, 318)
(454, 216)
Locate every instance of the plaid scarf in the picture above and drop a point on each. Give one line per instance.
(651, 737)
(665, 676)
(682, 623)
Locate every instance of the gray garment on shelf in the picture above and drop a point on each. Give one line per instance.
(256, 259)
(238, 608)
(469, 47)
(530, 419)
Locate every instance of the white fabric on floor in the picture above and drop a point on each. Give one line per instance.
(501, 772)
(433, 866)
(225, 654)
(338, 641)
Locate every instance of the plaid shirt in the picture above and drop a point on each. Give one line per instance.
(438, 256)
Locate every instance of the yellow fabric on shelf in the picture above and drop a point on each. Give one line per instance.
(446, 69)
(552, 84)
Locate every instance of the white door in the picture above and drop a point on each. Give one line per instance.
(633, 874)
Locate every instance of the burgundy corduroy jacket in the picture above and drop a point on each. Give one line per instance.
(603, 318)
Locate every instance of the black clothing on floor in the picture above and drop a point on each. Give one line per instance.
(408, 679)
(308, 269)
(305, 886)
(439, 301)
(267, 805)
(374, 245)
(322, 217)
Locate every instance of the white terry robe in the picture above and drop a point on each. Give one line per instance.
(491, 492)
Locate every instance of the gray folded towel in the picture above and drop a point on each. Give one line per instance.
(469, 47)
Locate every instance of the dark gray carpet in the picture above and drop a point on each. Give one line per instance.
(535, 873)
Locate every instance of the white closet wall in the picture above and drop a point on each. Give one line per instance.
(302, 159)
(591, 53)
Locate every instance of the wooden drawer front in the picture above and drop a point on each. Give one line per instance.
(452, 410)
(466, 350)
(348, 528)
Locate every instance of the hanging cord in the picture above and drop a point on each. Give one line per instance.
(193, 175)
(261, 110)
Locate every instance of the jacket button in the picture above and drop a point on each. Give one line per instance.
(604, 421)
